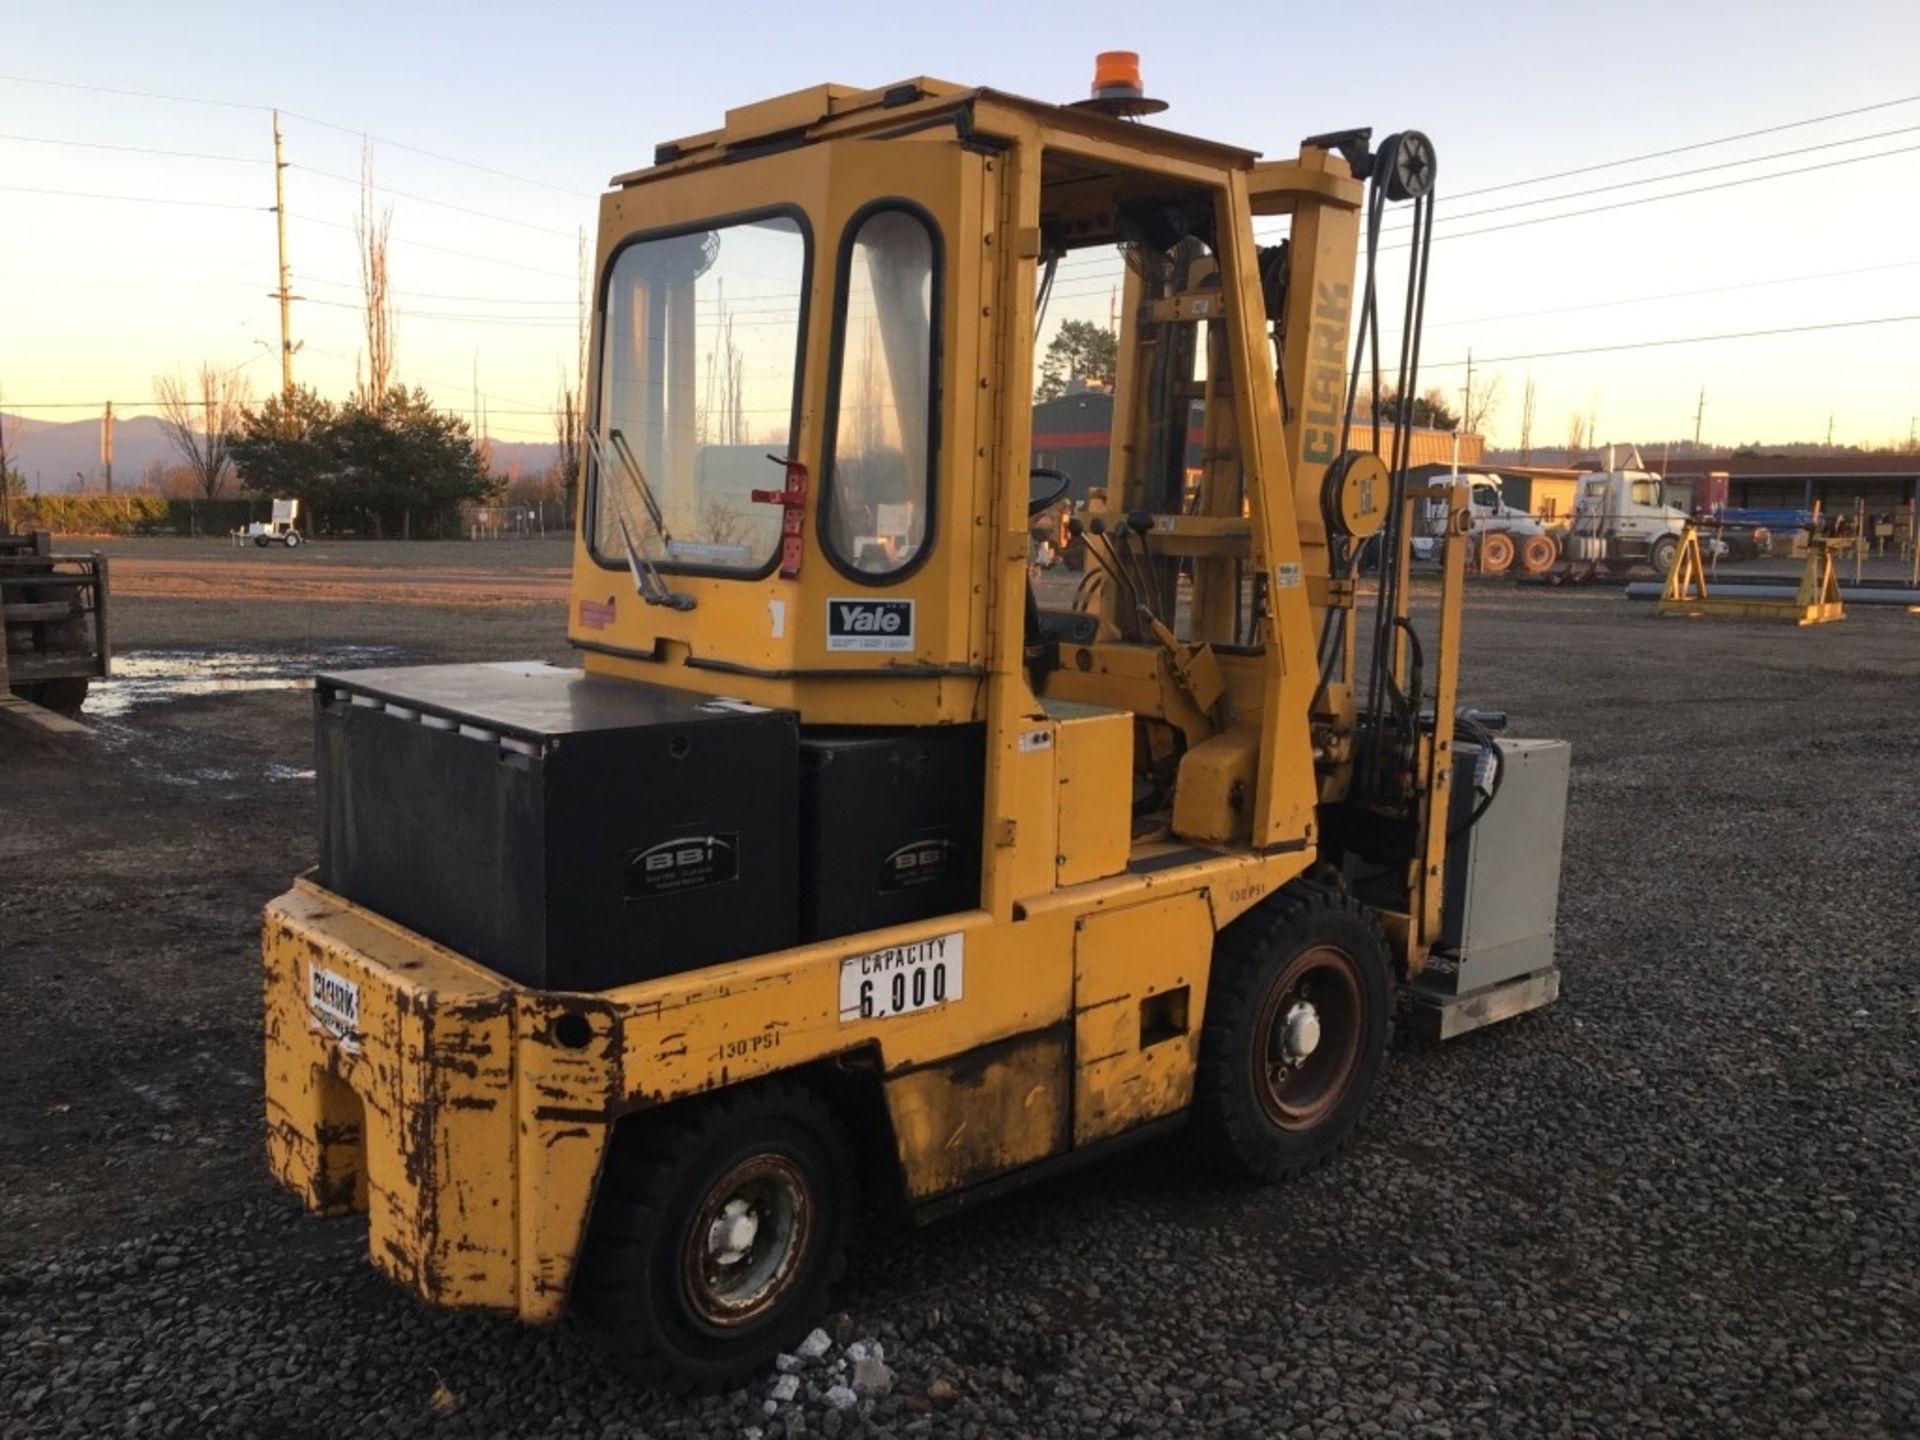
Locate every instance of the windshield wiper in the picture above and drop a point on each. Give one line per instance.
(625, 452)
(646, 575)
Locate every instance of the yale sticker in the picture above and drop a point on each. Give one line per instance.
(902, 978)
(857, 624)
(334, 1003)
(1286, 575)
(1032, 740)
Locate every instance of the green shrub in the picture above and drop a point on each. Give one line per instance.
(132, 514)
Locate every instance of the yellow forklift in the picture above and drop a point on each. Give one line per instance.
(844, 866)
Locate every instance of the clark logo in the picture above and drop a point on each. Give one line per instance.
(870, 624)
(687, 862)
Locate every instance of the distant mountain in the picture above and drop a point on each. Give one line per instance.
(529, 455)
(50, 453)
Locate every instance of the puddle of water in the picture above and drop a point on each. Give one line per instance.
(151, 677)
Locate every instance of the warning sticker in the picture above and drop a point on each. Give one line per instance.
(333, 1001)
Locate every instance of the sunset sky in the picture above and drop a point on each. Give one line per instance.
(101, 291)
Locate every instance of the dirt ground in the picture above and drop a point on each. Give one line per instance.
(1677, 1203)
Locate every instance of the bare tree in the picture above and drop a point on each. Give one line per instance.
(371, 231)
(569, 410)
(201, 415)
(1578, 431)
(1526, 423)
(567, 421)
(11, 481)
(1481, 403)
(721, 523)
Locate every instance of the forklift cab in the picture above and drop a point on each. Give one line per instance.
(808, 475)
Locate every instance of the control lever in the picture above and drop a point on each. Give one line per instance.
(1118, 569)
(1137, 524)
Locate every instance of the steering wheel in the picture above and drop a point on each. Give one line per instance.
(1047, 502)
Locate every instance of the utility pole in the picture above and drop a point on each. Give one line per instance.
(1829, 429)
(1466, 395)
(1699, 412)
(284, 293)
(1113, 310)
(106, 446)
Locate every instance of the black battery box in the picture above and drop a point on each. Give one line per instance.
(567, 831)
(890, 826)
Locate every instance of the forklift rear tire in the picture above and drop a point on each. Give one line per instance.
(716, 1233)
(1299, 1013)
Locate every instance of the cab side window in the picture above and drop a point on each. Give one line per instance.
(880, 465)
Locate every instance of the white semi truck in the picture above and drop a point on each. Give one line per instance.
(1620, 522)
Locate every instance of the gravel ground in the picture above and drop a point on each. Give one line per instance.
(1679, 1202)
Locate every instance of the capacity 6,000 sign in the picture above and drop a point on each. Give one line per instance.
(902, 978)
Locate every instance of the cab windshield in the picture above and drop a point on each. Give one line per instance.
(699, 383)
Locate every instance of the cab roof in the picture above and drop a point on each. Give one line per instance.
(820, 111)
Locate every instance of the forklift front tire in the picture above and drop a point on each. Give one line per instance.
(1299, 1012)
(718, 1229)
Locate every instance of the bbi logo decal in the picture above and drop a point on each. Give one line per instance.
(918, 862)
(688, 862)
(870, 625)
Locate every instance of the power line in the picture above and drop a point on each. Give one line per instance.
(137, 149)
(434, 295)
(442, 204)
(144, 283)
(1676, 340)
(138, 199)
(1674, 175)
(530, 322)
(1672, 195)
(297, 115)
(1673, 295)
(1682, 149)
(440, 249)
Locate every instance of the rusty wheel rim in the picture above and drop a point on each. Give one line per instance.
(744, 1248)
(1308, 1038)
